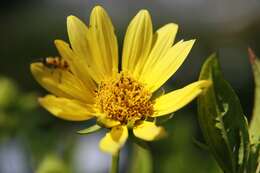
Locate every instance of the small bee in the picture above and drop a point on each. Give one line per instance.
(56, 63)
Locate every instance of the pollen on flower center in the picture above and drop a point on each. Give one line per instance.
(124, 99)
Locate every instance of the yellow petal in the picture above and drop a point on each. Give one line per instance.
(67, 109)
(137, 43)
(77, 65)
(175, 100)
(61, 83)
(148, 131)
(81, 42)
(114, 140)
(165, 67)
(104, 43)
(164, 38)
(106, 122)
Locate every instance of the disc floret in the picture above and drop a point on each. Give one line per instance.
(124, 99)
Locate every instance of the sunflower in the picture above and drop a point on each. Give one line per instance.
(119, 98)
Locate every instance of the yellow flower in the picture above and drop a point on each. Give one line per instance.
(120, 98)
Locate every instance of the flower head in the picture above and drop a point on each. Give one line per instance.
(86, 81)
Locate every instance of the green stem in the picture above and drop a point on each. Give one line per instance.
(115, 163)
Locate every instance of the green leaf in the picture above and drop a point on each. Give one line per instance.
(255, 121)
(200, 144)
(141, 160)
(222, 121)
(253, 165)
(90, 129)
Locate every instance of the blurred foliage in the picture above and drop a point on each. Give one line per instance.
(141, 160)
(52, 164)
(14, 108)
(20, 118)
(178, 152)
(223, 123)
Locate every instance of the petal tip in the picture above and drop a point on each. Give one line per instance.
(71, 19)
(206, 83)
(98, 8)
(173, 25)
(34, 66)
(40, 100)
(57, 41)
(192, 41)
(144, 13)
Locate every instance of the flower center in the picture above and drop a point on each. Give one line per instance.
(124, 99)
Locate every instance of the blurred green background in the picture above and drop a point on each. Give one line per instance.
(31, 139)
